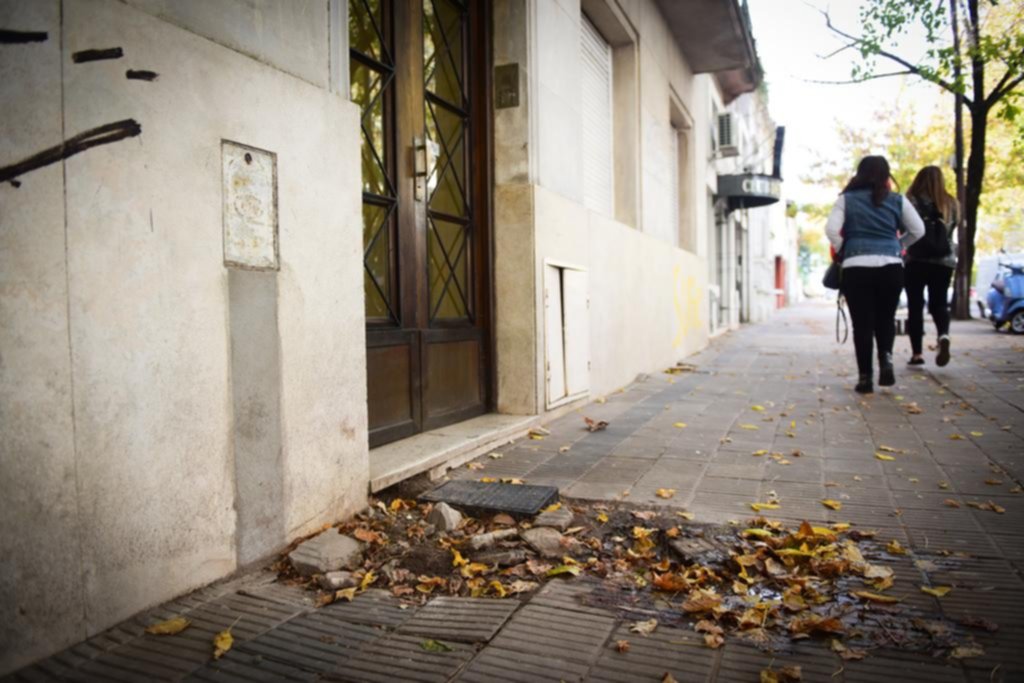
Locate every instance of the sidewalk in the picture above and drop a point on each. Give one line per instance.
(954, 436)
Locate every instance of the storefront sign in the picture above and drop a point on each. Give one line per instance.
(749, 190)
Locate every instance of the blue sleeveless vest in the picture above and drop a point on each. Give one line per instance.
(870, 229)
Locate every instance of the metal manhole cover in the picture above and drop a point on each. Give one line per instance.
(515, 499)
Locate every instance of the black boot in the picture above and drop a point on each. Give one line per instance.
(886, 377)
(864, 385)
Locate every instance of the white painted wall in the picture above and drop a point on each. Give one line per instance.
(117, 461)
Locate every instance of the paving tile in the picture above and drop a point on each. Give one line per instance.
(398, 657)
(668, 650)
(466, 620)
(374, 607)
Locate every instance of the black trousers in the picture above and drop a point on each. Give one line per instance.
(935, 277)
(872, 295)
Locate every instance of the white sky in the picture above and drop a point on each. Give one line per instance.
(791, 39)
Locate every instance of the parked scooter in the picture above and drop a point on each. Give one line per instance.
(1006, 298)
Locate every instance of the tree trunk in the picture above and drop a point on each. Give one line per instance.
(975, 164)
(962, 280)
(972, 199)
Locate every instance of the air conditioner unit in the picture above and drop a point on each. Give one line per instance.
(726, 136)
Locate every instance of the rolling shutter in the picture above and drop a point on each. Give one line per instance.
(596, 59)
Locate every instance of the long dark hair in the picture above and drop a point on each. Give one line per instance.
(929, 185)
(872, 174)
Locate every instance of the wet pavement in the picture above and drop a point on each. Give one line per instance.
(763, 415)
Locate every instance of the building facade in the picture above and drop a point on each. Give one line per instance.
(259, 259)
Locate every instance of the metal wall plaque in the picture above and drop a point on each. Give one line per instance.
(506, 86)
(250, 207)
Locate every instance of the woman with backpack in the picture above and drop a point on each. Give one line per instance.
(869, 227)
(930, 261)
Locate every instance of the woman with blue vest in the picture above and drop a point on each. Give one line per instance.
(869, 227)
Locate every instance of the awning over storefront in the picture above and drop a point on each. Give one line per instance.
(749, 190)
(716, 38)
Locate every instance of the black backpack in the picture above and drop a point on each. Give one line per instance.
(935, 243)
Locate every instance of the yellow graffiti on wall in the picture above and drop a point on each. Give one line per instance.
(687, 299)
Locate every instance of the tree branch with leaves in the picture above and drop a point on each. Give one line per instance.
(980, 63)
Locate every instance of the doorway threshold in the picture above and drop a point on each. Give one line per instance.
(441, 449)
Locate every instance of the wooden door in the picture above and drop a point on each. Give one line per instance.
(419, 72)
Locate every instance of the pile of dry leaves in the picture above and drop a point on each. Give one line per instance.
(763, 582)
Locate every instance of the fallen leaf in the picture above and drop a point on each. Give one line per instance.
(667, 678)
(679, 425)
(967, 651)
(976, 434)
(488, 480)
(670, 582)
(757, 533)
(595, 425)
(944, 485)
(883, 456)
(348, 594)
(496, 456)
(994, 482)
(369, 536)
(644, 628)
(895, 548)
(937, 591)
(956, 437)
(875, 597)
(622, 646)
(685, 515)
(701, 600)
(431, 645)
(759, 409)
(979, 622)
(497, 588)
(989, 506)
(222, 642)
(552, 507)
(368, 579)
(949, 502)
(665, 493)
(846, 653)
(564, 449)
(602, 518)
(757, 507)
(749, 427)
(760, 452)
(563, 569)
(520, 586)
(512, 480)
(169, 627)
(707, 626)
(832, 504)
(714, 640)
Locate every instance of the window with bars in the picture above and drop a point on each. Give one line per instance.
(371, 78)
(446, 110)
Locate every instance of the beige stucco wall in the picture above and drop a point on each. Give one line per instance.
(118, 466)
(648, 299)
